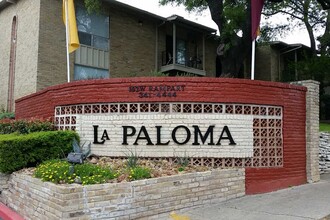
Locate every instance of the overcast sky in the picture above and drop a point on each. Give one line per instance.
(204, 18)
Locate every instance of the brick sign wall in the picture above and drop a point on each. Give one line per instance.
(267, 120)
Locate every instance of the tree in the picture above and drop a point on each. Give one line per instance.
(233, 18)
(307, 13)
(325, 38)
(93, 5)
(325, 4)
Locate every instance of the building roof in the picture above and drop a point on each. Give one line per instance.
(180, 19)
(133, 9)
(174, 18)
(284, 46)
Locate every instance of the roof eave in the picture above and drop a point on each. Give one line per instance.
(180, 19)
(173, 18)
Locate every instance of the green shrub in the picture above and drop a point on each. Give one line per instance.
(57, 171)
(137, 173)
(25, 126)
(9, 115)
(132, 159)
(93, 174)
(20, 151)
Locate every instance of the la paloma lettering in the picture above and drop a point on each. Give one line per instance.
(131, 135)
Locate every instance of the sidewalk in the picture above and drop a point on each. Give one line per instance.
(309, 201)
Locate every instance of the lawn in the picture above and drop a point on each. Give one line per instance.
(325, 127)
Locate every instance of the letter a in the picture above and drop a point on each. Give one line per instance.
(229, 137)
(96, 134)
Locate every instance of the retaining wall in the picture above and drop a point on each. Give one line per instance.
(145, 199)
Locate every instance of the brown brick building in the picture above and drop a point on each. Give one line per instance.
(121, 41)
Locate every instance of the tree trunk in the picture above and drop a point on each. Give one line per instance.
(309, 27)
(325, 39)
(233, 58)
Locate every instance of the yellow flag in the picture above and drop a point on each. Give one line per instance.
(73, 40)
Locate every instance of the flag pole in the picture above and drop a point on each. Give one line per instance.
(253, 58)
(67, 39)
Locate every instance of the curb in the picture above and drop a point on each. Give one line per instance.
(8, 214)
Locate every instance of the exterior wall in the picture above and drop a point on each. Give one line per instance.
(27, 13)
(275, 71)
(267, 63)
(161, 45)
(263, 63)
(143, 199)
(52, 51)
(132, 45)
(258, 179)
(210, 56)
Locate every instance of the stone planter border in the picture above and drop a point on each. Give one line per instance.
(150, 198)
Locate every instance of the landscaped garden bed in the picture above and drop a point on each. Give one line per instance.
(148, 199)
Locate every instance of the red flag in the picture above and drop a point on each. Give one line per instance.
(256, 8)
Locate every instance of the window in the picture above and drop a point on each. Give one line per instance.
(181, 52)
(12, 62)
(84, 72)
(93, 29)
(92, 62)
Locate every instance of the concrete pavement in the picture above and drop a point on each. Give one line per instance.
(309, 201)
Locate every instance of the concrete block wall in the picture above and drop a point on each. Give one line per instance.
(143, 199)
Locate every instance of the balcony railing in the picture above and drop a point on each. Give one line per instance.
(183, 63)
(92, 57)
(188, 61)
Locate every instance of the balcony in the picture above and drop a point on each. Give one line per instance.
(183, 64)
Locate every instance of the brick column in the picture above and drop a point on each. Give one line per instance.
(312, 129)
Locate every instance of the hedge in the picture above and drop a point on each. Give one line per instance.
(20, 151)
(25, 126)
(9, 115)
